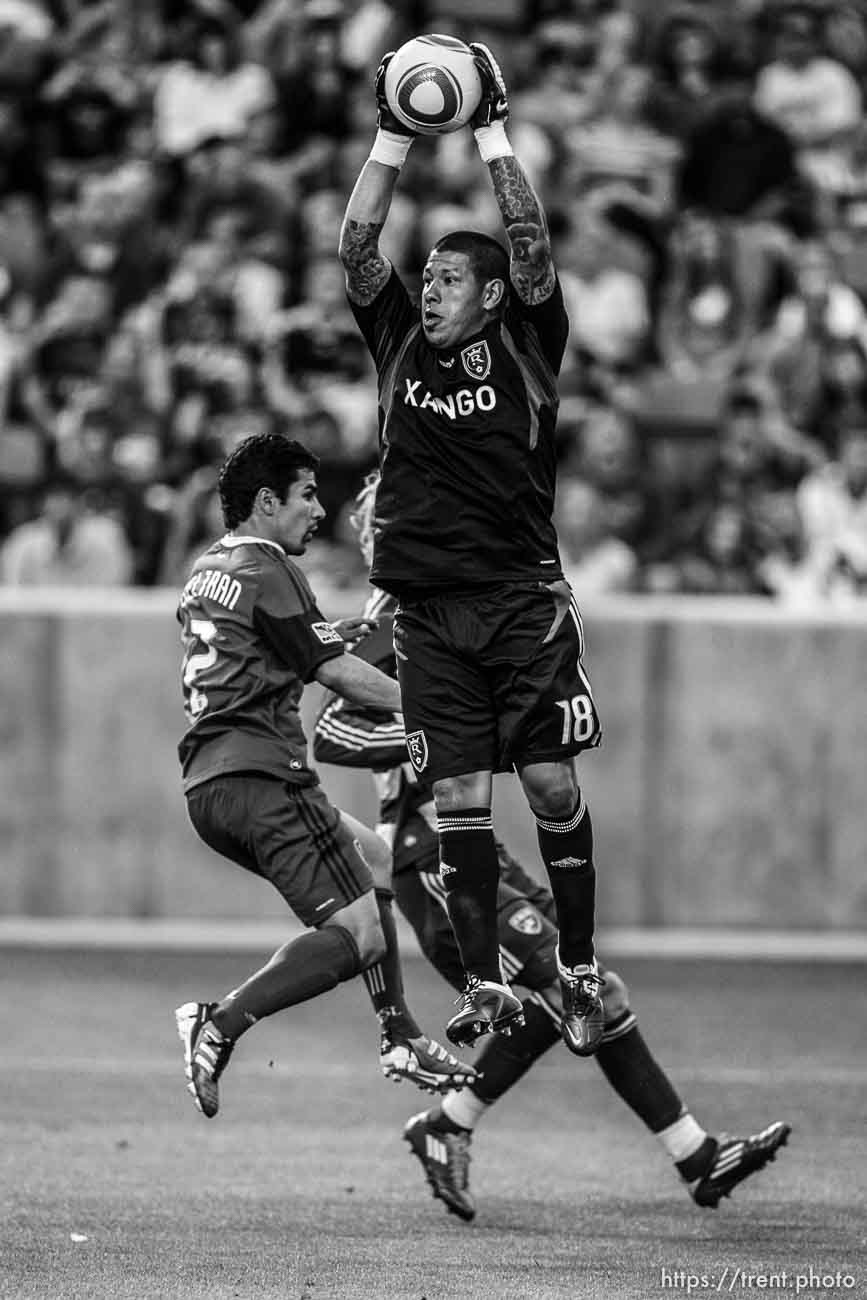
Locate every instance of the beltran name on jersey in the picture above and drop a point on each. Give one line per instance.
(212, 584)
(467, 449)
(252, 636)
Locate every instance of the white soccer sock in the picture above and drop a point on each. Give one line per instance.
(464, 1108)
(682, 1138)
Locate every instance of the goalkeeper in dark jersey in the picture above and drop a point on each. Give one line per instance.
(488, 636)
(252, 637)
(368, 738)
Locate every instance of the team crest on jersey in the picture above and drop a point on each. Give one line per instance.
(526, 921)
(477, 360)
(416, 743)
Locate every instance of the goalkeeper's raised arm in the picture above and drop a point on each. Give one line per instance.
(367, 269)
(531, 268)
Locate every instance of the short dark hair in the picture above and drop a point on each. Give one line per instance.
(487, 256)
(262, 460)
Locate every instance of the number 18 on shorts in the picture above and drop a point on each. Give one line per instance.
(494, 680)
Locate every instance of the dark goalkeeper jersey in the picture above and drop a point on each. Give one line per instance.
(252, 636)
(466, 447)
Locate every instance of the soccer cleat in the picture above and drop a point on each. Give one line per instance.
(445, 1158)
(736, 1159)
(485, 1007)
(583, 1015)
(206, 1054)
(422, 1060)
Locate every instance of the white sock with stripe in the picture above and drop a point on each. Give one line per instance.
(682, 1138)
(464, 1108)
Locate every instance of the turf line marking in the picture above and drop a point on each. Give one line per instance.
(185, 935)
(818, 1074)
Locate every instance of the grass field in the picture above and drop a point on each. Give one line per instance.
(113, 1186)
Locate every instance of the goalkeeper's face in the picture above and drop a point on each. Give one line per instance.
(454, 305)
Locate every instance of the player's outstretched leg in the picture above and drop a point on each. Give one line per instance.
(583, 1014)
(710, 1166)
(484, 1007)
(421, 1059)
(405, 1051)
(206, 1054)
(303, 968)
(734, 1159)
(444, 1152)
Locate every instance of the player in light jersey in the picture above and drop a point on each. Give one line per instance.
(463, 537)
(253, 635)
(350, 736)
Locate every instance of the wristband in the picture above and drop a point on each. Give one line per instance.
(391, 149)
(493, 142)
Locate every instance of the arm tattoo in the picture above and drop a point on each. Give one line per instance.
(532, 268)
(366, 268)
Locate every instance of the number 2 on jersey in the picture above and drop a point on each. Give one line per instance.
(579, 719)
(203, 630)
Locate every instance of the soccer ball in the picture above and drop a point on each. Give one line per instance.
(432, 85)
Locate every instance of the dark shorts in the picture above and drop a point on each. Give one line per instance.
(288, 834)
(494, 680)
(528, 936)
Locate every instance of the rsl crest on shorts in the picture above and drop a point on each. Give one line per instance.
(416, 744)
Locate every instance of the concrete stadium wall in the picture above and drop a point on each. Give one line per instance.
(730, 787)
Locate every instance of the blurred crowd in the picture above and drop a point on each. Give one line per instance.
(172, 179)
